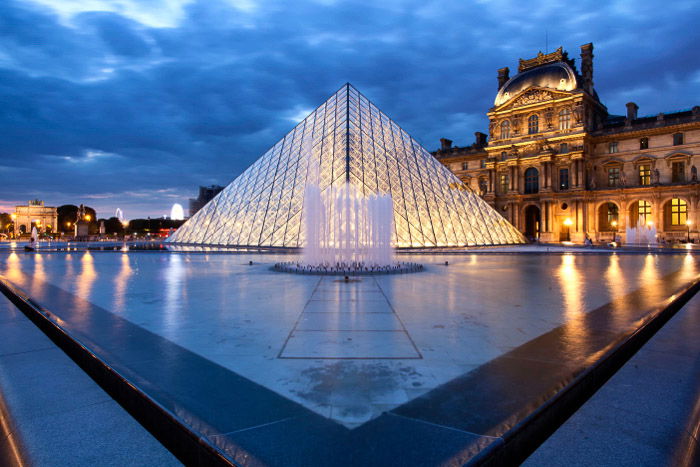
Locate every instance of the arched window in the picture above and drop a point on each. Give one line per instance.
(565, 119)
(679, 211)
(532, 178)
(533, 124)
(640, 213)
(505, 129)
(608, 215)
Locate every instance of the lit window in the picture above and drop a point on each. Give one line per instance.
(503, 181)
(644, 143)
(644, 211)
(565, 119)
(533, 124)
(613, 176)
(465, 165)
(505, 129)
(677, 139)
(678, 172)
(679, 212)
(612, 147)
(645, 174)
(563, 179)
(531, 180)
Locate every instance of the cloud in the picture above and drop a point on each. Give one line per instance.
(134, 104)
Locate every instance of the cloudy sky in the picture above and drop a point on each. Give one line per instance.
(134, 103)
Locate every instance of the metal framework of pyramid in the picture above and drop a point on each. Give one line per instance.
(353, 141)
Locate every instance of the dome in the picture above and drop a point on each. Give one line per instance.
(557, 75)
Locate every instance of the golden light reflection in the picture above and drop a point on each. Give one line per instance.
(121, 281)
(570, 281)
(13, 271)
(649, 276)
(39, 275)
(85, 280)
(617, 289)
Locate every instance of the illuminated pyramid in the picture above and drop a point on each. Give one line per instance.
(353, 141)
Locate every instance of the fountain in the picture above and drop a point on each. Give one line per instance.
(33, 240)
(642, 234)
(346, 231)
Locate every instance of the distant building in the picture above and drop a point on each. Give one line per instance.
(558, 166)
(206, 194)
(45, 218)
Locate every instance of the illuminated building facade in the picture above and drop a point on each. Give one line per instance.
(351, 141)
(558, 166)
(45, 218)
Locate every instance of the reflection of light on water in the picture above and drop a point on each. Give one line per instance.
(14, 269)
(86, 278)
(39, 275)
(570, 280)
(649, 278)
(121, 281)
(617, 289)
(174, 275)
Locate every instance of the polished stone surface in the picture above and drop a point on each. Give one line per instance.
(646, 414)
(242, 352)
(60, 415)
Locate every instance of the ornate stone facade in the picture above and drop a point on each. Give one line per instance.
(560, 167)
(45, 218)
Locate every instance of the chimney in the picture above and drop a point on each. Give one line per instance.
(445, 144)
(632, 109)
(480, 139)
(503, 76)
(587, 67)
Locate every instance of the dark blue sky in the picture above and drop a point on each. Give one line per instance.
(134, 103)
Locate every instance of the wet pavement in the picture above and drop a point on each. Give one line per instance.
(293, 369)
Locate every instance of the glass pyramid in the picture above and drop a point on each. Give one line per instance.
(353, 140)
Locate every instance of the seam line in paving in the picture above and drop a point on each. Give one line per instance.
(296, 323)
(420, 355)
(262, 425)
(42, 349)
(339, 351)
(445, 427)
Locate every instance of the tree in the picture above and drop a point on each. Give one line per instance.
(5, 222)
(68, 214)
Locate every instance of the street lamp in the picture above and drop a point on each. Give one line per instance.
(88, 217)
(688, 222)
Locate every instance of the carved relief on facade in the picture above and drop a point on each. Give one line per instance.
(532, 97)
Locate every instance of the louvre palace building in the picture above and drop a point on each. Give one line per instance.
(559, 166)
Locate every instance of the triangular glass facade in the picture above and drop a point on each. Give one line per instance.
(352, 140)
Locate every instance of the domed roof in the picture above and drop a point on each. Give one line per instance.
(557, 75)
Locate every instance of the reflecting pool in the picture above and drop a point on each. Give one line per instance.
(348, 351)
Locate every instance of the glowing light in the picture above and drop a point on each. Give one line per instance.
(650, 223)
(177, 213)
(568, 221)
(688, 222)
(614, 223)
(13, 216)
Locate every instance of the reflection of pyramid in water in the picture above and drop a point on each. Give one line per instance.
(353, 140)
